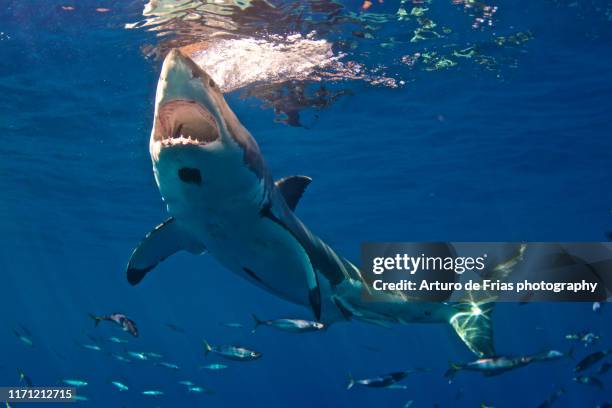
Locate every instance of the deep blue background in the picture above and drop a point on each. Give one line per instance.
(521, 156)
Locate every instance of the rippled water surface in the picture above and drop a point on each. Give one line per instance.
(417, 120)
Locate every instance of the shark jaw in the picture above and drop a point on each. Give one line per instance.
(182, 122)
(187, 111)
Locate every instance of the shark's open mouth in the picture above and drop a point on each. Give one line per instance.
(185, 122)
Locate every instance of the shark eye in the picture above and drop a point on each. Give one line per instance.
(211, 83)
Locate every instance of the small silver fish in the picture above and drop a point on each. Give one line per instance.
(120, 319)
(591, 359)
(93, 347)
(214, 367)
(120, 386)
(138, 355)
(117, 340)
(589, 380)
(290, 325)
(489, 366)
(168, 365)
(75, 383)
(585, 337)
(197, 389)
(25, 339)
(186, 383)
(232, 325)
(552, 355)
(121, 358)
(24, 378)
(382, 381)
(589, 338)
(232, 352)
(153, 393)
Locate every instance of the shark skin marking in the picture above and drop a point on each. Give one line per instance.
(228, 204)
(190, 175)
(252, 274)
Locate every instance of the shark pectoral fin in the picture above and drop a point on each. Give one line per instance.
(165, 240)
(292, 188)
(314, 293)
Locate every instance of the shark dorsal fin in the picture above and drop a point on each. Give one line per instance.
(292, 188)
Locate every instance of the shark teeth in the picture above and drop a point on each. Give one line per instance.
(181, 140)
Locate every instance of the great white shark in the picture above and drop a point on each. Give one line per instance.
(223, 201)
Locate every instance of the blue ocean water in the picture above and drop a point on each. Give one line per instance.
(519, 153)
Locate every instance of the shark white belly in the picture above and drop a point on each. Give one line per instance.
(222, 200)
(233, 230)
(260, 251)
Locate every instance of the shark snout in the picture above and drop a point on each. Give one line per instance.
(182, 78)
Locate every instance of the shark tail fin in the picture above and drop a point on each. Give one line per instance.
(351, 381)
(207, 348)
(258, 322)
(96, 319)
(472, 323)
(453, 369)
